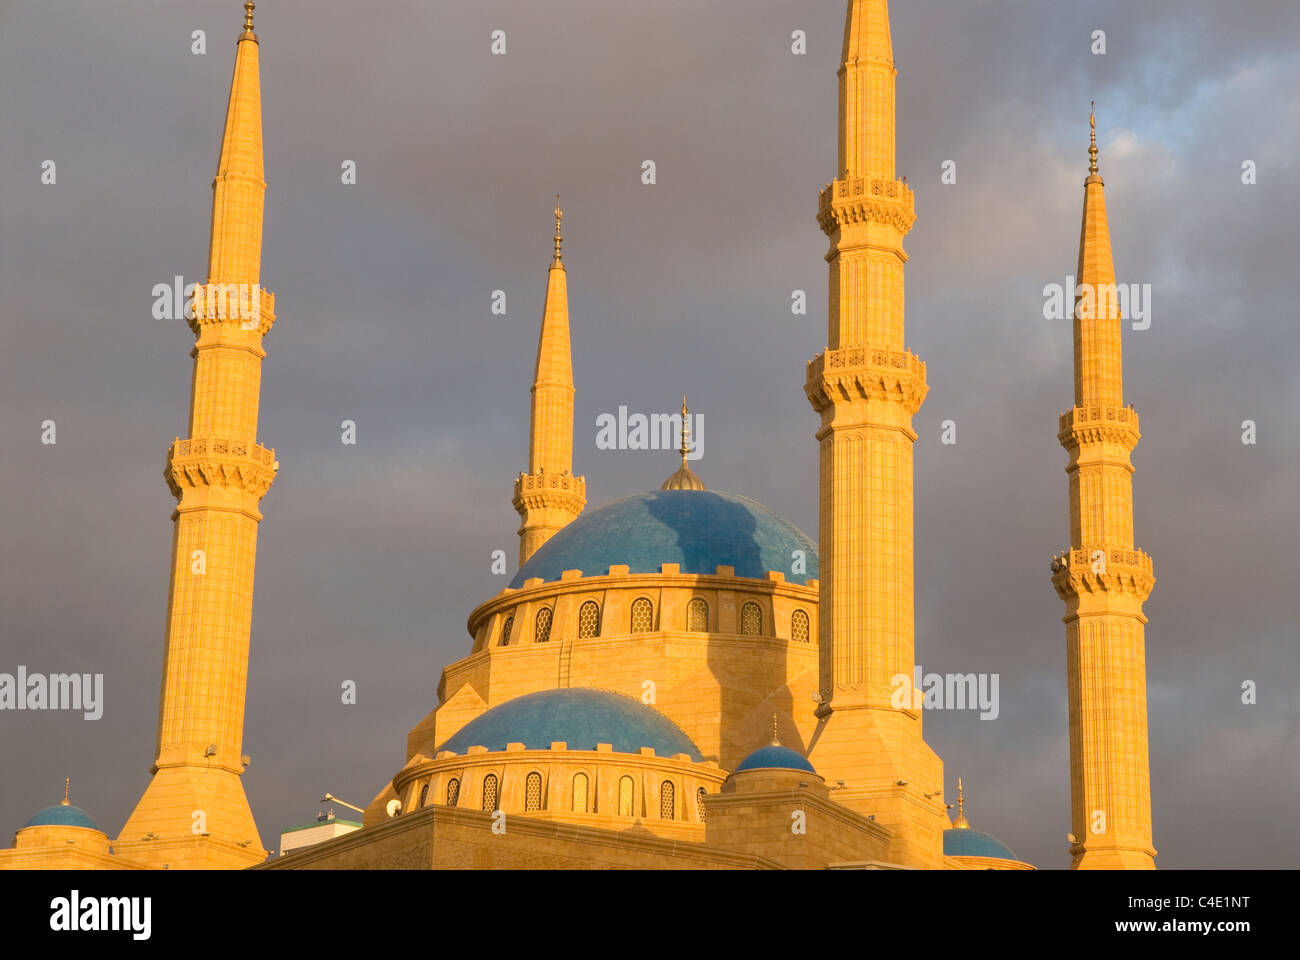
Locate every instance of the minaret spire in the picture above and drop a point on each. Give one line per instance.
(1102, 577)
(867, 386)
(549, 496)
(194, 812)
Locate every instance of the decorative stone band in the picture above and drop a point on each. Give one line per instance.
(1100, 569)
(863, 373)
(1099, 424)
(537, 490)
(234, 303)
(208, 461)
(859, 200)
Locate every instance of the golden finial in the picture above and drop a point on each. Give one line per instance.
(776, 738)
(961, 823)
(684, 478)
(1092, 150)
(559, 218)
(248, 17)
(67, 783)
(686, 431)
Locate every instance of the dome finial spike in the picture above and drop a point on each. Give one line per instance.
(961, 822)
(67, 784)
(248, 16)
(1092, 150)
(559, 239)
(686, 431)
(684, 478)
(776, 736)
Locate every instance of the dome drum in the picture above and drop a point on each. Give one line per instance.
(602, 607)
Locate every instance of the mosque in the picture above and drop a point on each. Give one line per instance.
(680, 678)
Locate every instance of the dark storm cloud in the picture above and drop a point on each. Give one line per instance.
(371, 557)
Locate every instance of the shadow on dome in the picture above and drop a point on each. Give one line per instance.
(729, 530)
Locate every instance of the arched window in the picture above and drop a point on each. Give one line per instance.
(533, 793)
(505, 631)
(588, 620)
(643, 615)
(490, 793)
(625, 797)
(453, 791)
(700, 794)
(667, 805)
(799, 626)
(424, 794)
(751, 620)
(697, 616)
(543, 625)
(579, 793)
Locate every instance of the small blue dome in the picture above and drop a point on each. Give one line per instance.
(697, 529)
(578, 717)
(61, 815)
(973, 843)
(775, 757)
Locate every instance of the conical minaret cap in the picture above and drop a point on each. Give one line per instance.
(866, 32)
(240, 184)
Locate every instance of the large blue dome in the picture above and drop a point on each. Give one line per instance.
(61, 815)
(578, 717)
(697, 529)
(973, 843)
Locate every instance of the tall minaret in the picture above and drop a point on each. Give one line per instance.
(867, 386)
(549, 497)
(194, 813)
(1103, 578)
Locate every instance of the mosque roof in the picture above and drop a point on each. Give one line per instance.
(775, 756)
(578, 717)
(965, 842)
(61, 815)
(699, 530)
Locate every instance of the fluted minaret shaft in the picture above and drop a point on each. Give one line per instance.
(194, 811)
(1102, 578)
(549, 497)
(866, 387)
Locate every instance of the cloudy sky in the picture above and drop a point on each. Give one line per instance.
(371, 557)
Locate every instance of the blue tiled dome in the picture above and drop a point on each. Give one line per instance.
(697, 529)
(775, 757)
(578, 717)
(973, 843)
(61, 815)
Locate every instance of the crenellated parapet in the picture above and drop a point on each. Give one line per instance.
(861, 373)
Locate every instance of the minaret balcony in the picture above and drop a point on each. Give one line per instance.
(1099, 570)
(865, 373)
(212, 462)
(1099, 423)
(248, 305)
(862, 200)
(541, 490)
